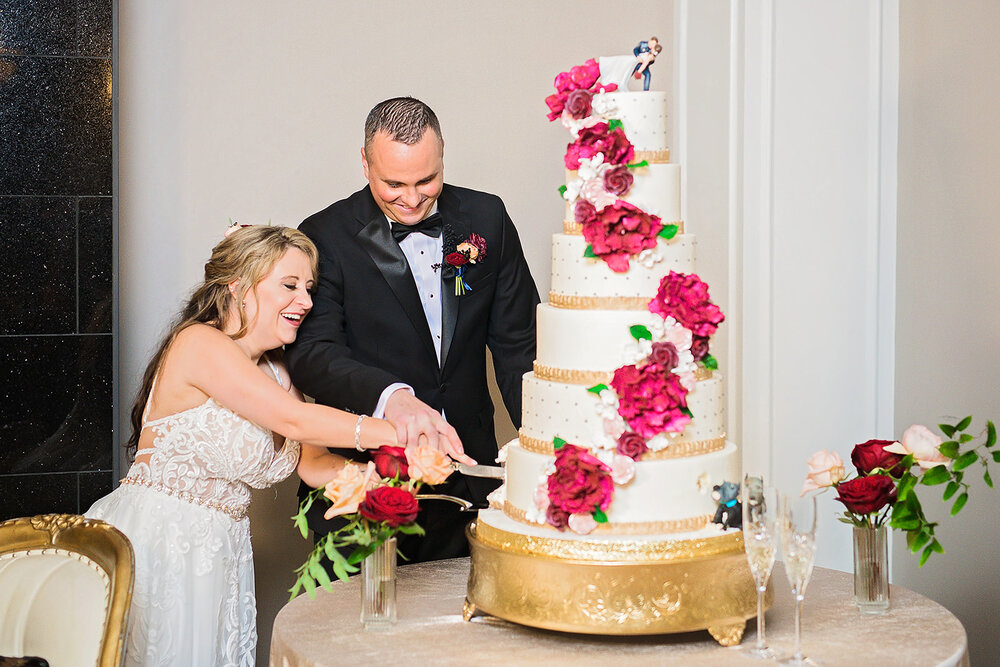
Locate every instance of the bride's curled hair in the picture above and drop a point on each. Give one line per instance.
(243, 259)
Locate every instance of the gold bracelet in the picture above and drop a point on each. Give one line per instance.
(357, 433)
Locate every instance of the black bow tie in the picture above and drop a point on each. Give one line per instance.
(431, 226)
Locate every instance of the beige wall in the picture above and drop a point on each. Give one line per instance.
(948, 283)
(253, 109)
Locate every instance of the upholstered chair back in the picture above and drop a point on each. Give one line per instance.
(65, 589)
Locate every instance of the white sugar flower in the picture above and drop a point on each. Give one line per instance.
(603, 106)
(649, 257)
(572, 192)
(658, 442)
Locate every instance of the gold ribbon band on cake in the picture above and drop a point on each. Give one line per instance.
(631, 528)
(652, 157)
(598, 302)
(676, 450)
(590, 378)
(576, 229)
(619, 550)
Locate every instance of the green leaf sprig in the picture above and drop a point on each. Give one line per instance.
(907, 512)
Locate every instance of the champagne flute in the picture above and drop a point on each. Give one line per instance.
(760, 539)
(798, 545)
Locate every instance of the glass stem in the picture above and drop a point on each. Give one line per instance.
(761, 644)
(798, 626)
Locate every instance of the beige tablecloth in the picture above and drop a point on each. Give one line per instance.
(430, 631)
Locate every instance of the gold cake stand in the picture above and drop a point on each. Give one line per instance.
(613, 588)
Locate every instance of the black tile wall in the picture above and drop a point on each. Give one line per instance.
(57, 413)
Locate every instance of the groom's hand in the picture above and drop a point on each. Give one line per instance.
(418, 423)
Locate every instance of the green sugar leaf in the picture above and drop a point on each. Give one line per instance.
(949, 449)
(597, 388)
(687, 412)
(959, 504)
(562, 191)
(614, 124)
(599, 516)
(589, 252)
(936, 475)
(668, 232)
(710, 362)
(558, 442)
(640, 332)
(965, 460)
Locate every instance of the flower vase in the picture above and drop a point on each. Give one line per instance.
(378, 587)
(871, 569)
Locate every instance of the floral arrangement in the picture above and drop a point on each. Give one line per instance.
(888, 474)
(684, 297)
(578, 487)
(602, 156)
(379, 500)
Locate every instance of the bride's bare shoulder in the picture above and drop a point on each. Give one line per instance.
(198, 337)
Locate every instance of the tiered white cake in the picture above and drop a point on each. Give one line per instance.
(605, 522)
(584, 336)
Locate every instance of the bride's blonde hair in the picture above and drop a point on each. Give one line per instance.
(243, 258)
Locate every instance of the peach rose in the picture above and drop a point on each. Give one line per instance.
(469, 248)
(825, 469)
(622, 470)
(348, 488)
(582, 523)
(429, 465)
(923, 444)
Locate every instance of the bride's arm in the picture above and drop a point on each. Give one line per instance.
(210, 361)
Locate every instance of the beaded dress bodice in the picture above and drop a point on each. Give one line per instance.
(212, 456)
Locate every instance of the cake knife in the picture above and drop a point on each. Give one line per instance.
(493, 472)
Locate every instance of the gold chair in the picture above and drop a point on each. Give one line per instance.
(65, 589)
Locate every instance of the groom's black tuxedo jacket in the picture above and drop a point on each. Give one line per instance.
(367, 328)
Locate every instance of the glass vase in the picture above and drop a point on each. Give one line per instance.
(378, 587)
(871, 569)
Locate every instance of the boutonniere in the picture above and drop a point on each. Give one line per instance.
(470, 251)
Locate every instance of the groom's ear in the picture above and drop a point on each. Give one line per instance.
(364, 162)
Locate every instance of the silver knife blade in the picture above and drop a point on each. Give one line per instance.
(492, 472)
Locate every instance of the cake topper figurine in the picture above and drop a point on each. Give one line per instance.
(645, 52)
(619, 70)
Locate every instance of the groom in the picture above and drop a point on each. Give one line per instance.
(398, 331)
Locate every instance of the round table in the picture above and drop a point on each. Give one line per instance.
(431, 630)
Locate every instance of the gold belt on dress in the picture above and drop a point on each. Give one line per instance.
(237, 512)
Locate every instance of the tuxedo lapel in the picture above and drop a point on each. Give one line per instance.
(456, 229)
(377, 241)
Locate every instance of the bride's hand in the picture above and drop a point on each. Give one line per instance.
(419, 424)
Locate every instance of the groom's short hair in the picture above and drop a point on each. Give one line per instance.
(404, 119)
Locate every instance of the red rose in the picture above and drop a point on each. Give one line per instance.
(699, 347)
(391, 461)
(581, 483)
(618, 232)
(456, 259)
(864, 495)
(391, 504)
(651, 400)
(619, 180)
(665, 354)
(578, 104)
(632, 445)
(685, 298)
(583, 211)
(557, 517)
(598, 138)
(871, 454)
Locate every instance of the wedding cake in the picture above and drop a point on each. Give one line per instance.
(605, 522)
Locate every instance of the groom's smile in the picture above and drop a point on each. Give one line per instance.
(405, 179)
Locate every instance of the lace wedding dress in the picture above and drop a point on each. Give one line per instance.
(185, 512)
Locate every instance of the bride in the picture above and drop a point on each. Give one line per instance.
(216, 415)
